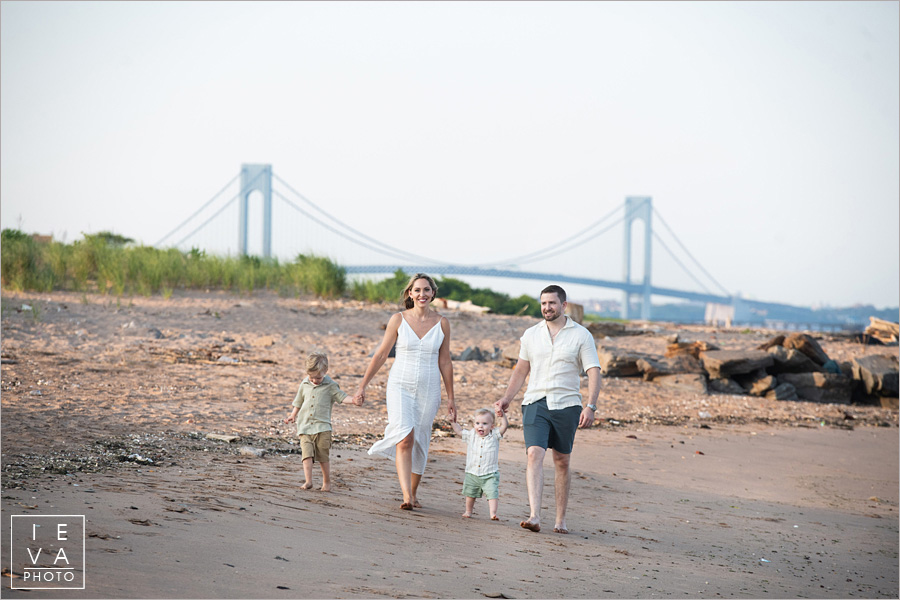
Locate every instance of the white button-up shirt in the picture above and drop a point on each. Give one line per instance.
(483, 453)
(556, 365)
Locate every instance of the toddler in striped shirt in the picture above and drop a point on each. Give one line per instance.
(483, 459)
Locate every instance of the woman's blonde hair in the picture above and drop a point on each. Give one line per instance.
(316, 362)
(404, 297)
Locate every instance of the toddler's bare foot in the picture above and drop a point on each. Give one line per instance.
(307, 485)
(466, 515)
(326, 488)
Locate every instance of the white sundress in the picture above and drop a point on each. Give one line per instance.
(413, 393)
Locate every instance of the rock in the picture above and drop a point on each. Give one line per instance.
(778, 340)
(688, 382)
(783, 391)
(791, 361)
(575, 311)
(726, 385)
(878, 372)
(471, 353)
(251, 451)
(222, 438)
(263, 341)
(607, 329)
(688, 348)
(725, 363)
(821, 387)
(652, 368)
(808, 346)
(227, 360)
(760, 387)
(155, 333)
(619, 363)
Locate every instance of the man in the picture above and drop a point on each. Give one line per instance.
(554, 352)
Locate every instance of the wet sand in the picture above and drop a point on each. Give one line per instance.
(754, 499)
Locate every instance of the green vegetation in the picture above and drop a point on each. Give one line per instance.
(109, 263)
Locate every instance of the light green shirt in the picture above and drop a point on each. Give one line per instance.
(315, 402)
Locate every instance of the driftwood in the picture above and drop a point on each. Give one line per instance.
(884, 331)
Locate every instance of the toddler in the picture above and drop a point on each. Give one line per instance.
(482, 460)
(312, 413)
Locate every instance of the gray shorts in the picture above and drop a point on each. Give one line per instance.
(550, 428)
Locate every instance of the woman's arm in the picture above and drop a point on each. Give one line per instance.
(381, 354)
(445, 365)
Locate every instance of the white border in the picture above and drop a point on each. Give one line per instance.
(12, 552)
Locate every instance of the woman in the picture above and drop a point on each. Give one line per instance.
(413, 396)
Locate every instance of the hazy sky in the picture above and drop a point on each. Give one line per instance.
(767, 133)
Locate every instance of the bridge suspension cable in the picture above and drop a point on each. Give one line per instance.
(199, 210)
(691, 256)
(380, 247)
(556, 248)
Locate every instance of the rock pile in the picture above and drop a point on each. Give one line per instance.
(792, 367)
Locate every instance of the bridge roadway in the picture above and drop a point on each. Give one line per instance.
(633, 288)
(797, 312)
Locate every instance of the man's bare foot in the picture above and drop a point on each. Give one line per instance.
(530, 525)
(560, 530)
(406, 506)
(306, 485)
(467, 515)
(325, 488)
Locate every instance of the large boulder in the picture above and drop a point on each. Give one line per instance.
(726, 385)
(878, 372)
(653, 368)
(808, 346)
(820, 387)
(726, 363)
(788, 360)
(783, 391)
(686, 382)
(615, 362)
(689, 348)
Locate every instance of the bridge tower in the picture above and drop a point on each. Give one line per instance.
(638, 207)
(256, 178)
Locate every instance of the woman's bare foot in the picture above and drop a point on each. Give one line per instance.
(467, 515)
(416, 504)
(495, 518)
(406, 506)
(534, 526)
(325, 488)
(306, 485)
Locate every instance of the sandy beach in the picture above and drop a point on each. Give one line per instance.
(108, 405)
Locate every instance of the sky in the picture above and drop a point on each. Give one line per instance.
(766, 133)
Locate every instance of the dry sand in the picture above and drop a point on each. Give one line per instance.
(754, 499)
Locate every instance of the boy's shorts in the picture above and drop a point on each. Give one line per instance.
(476, 486)
(316, 446)
(550, 428)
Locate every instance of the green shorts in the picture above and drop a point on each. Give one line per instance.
(476, 486)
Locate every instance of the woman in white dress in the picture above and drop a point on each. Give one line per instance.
(413, 395)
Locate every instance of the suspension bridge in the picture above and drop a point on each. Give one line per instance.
(288, 224)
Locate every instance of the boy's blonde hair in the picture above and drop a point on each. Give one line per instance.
(485, 411)
(316, 362)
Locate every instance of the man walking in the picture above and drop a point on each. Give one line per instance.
(554, 352)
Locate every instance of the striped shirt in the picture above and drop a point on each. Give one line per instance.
(483, 455)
